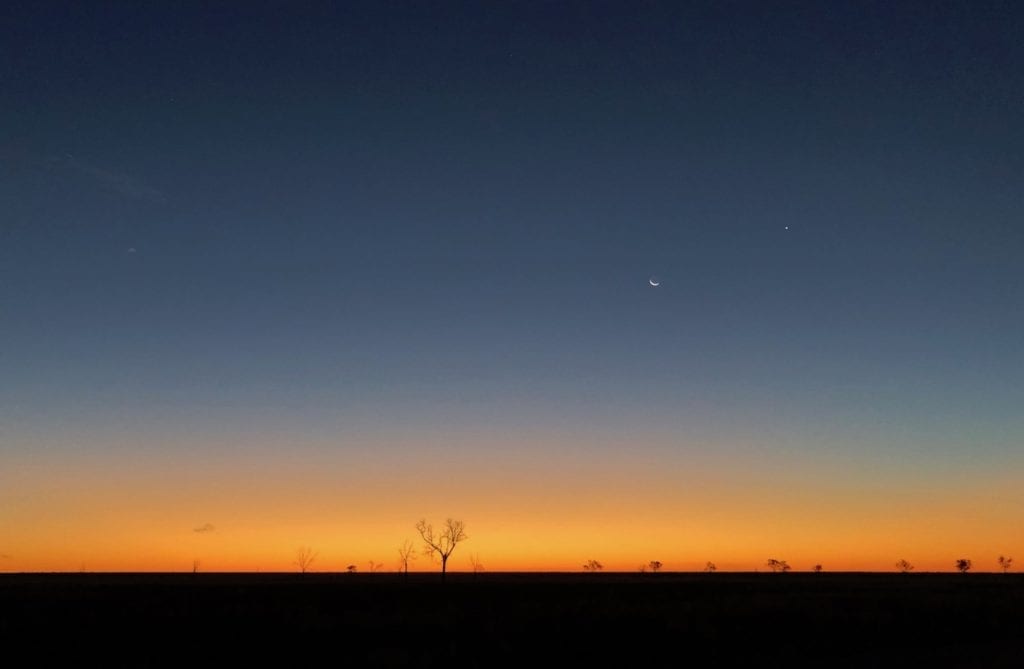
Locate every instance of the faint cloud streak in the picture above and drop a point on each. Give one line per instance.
(116, 182)
(204, 529)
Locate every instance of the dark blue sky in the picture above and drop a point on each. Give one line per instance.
(416, 215)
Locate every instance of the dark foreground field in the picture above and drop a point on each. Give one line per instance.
(627, 620)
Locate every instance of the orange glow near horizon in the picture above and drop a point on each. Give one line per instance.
(549, 508)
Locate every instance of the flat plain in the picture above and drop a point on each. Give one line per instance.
(510, 619)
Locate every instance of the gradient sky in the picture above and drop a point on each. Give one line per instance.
(302, 274)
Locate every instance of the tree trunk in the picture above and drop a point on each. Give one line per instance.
(444, 566)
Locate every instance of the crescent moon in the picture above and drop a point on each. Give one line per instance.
(653, 282)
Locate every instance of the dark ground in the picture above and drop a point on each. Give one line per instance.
(626, 620)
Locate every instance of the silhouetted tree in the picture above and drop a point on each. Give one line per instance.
(351, 569)
(304, 556)
(655, 565)
(474, 561)
(904, 566)
(963, 565)
(593, 565)
(710, 567)
(778, 566)
(375, 566)
(195, 566)
(1005, 563)
(443, 542)
(406, 553)
(817, 569)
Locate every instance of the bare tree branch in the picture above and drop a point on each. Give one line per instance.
(406, 553)
(304, 557)
(444, 543)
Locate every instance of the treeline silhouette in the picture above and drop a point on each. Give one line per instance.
(438, 545)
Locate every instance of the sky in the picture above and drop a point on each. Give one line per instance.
(277, 275)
